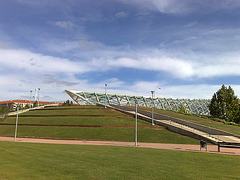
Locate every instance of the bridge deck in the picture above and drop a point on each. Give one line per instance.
(196, 131)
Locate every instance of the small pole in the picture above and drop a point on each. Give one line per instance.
(152, 108)
(30, 99)
(153, 105)
(136, 124)
(105, 93)
(15, 136)
(38, 96)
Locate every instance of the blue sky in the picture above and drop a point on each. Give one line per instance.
(188, 48)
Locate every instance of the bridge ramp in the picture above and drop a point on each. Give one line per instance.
(196, 131)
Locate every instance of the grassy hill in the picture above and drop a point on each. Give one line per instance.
(58, 161)
(87, 123)
(99, 123)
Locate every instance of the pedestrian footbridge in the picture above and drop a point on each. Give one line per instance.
(192, 106)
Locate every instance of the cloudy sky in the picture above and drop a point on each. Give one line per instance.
(188, 48)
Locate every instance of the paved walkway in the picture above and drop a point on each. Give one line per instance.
(181, 147)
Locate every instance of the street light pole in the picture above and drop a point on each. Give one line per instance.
(38, 96)
(15, 135)
(105, 93)
(30, 99)
(152, 108)
(153, 105)
(135, 123)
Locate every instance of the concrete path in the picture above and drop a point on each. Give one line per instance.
(179, 147)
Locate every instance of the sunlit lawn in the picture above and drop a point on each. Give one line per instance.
(52, 161)
(90, 133)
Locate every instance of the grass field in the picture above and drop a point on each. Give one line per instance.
(74, 112)
(52, 161)
(101, 121)
(90, 133)
(108, 134)
(76, 107)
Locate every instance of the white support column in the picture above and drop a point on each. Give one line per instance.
(96, 97)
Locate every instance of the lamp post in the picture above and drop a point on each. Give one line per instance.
(15, 135)
(105, 93)
(153, 105)
(136, 103)
(30, 98)
(38, 96)
(35, 99)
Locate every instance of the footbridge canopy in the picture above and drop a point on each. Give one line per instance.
(192, 106)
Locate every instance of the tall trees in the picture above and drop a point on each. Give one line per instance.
(68, 103)
(224, 105)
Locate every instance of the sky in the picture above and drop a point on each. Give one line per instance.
(188, 48)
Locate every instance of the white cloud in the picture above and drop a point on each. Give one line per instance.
(64, 24)
(184, 66)
(184, 6)
(33, 62)
(222, 65)
(59, 74)
(163, 6)
(170, 6)
(176, 67)
(27, 70)
(121, 14)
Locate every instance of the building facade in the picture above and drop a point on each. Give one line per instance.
(12, 104)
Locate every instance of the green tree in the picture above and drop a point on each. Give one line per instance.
(35, 104)
(182, 109)
(68, 103)
(4, 110)
(224, 104)
(26, 106)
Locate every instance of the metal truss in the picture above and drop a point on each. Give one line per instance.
(195, 106)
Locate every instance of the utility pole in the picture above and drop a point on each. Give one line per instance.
(38, 96)
(153, 105)
(30, 99)
(105, 93)
(136, 123)
(15, 135)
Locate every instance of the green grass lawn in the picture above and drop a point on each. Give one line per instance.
(52, 161)
(108, 134)
(101, 121)
(74, 112)
(76, 107)
(198, 120)
(90, 133)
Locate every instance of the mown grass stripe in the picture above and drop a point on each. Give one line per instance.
(58, 161)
